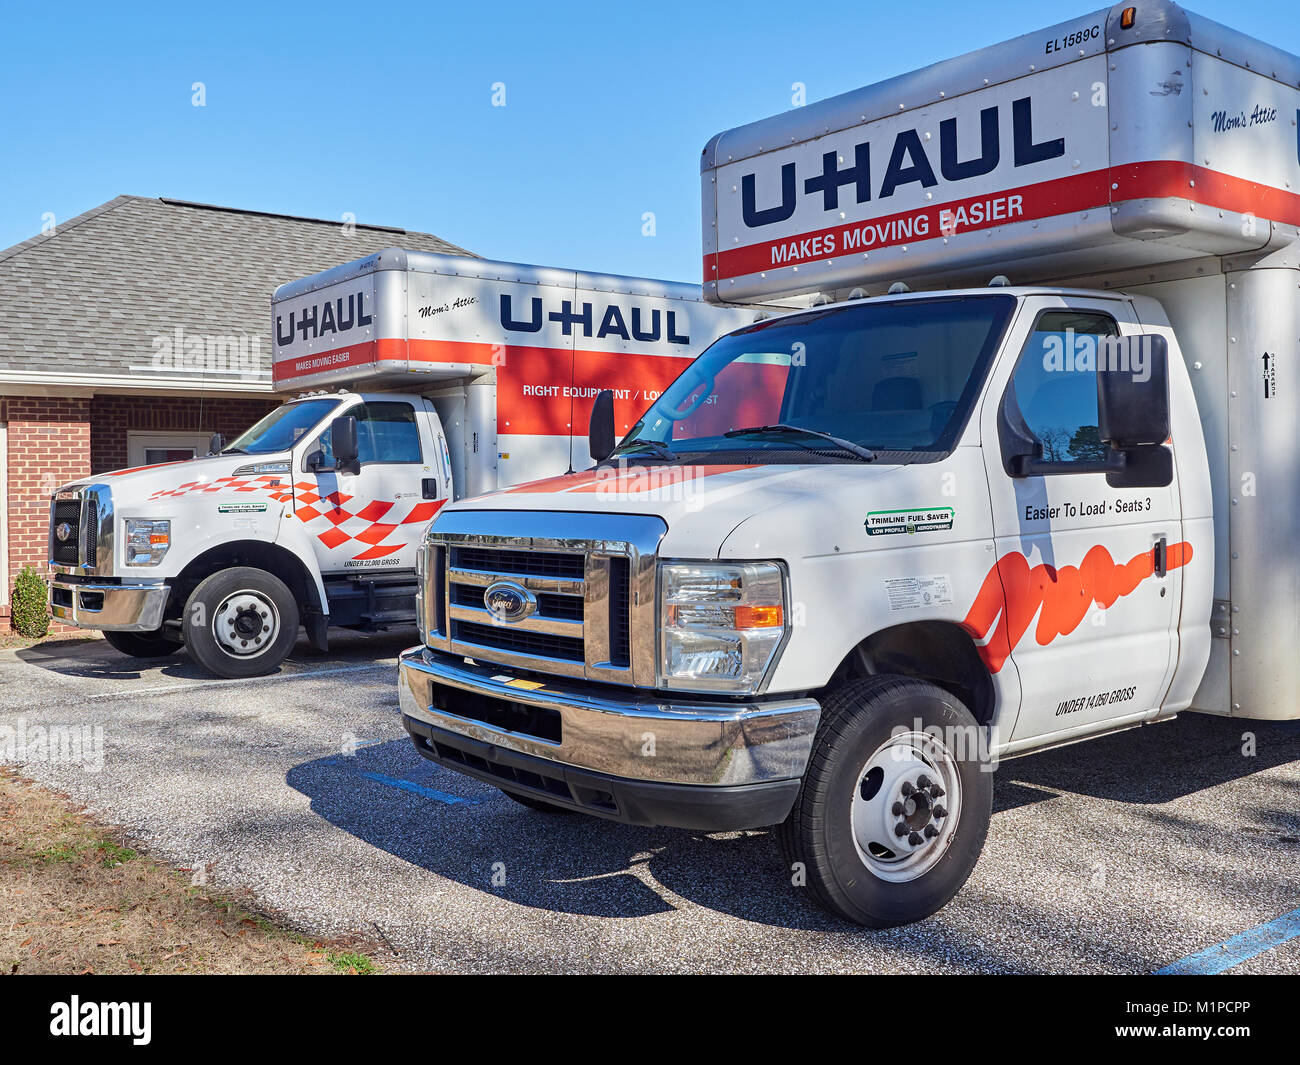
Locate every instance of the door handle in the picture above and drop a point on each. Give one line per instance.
(429, 487)
(1160, 556)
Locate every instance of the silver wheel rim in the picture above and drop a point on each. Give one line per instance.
(245, 623)
(905, 807)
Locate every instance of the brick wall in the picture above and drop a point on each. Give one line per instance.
(53, 441)
(49, 444)
(111, 417)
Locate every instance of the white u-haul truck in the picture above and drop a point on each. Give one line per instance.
(470, 375)
(856, 554)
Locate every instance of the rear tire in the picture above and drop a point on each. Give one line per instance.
(539, 805)
(892, 754)
(240, 622)
(143, 644)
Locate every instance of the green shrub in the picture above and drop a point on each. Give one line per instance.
(28, 605)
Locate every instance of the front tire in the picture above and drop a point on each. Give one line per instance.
(895, 805)
(240, 622)
(143, 644)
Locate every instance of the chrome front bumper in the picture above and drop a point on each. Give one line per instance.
(121, 607)
(619, 732)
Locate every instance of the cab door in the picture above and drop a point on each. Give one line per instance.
(1085, 591)
(371, 520)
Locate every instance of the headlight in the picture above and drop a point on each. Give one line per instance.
(722, 624)
(147, 540)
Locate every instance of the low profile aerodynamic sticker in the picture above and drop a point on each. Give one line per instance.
(918, 520)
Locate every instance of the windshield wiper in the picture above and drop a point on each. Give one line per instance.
(865, 454)
(658, 447)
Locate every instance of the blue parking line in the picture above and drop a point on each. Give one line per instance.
(1223, 956)
(409, 785)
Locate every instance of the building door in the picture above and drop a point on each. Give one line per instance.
(150, 449)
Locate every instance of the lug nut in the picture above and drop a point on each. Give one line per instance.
(914, 838)
(907, 788)
(900, 830)
(931, 831)
(922, 781)
(939, 811)
(935, 791)
(898, 809)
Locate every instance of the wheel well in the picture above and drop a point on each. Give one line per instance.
(941, 652)
(270, 557)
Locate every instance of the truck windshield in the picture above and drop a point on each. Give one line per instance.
(846, 382)
(282, 428)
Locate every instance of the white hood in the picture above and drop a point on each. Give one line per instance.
(704, 505)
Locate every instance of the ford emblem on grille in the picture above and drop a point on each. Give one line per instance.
(63, 531)
(509, 602)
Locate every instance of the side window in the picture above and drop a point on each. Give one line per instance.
(1055, 384)
(386, 432)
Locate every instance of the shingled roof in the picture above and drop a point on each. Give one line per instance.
(91, 297)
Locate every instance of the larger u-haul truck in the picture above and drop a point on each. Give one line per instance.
(421, 378)
(855, 555)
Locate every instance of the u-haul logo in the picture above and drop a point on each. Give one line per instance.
(325, 319)
(649, 325)
(909, 162)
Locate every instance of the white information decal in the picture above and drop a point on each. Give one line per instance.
(913, 593)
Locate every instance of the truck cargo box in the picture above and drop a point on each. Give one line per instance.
(1132, 136)
(513, 355)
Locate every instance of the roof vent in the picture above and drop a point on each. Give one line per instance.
(858, 294)
(1000, 281)
(898, 287)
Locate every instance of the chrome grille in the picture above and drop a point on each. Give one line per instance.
(592, 576)
(66, 552)
(88, 511)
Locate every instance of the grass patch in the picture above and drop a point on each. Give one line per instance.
(77, 898)
(349, 962)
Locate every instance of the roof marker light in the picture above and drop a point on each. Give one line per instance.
(1127, 18)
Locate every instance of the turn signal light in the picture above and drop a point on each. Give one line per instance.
(759, 617)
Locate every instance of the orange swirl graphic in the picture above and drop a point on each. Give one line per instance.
(1013, 593)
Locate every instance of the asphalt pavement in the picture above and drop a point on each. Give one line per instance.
(1124, 854)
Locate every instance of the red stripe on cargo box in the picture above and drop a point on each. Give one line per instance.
(1067, 195)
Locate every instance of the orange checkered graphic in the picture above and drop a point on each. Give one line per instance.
(328, 513)
(312, 507)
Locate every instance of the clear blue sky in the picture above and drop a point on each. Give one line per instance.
(384, 109)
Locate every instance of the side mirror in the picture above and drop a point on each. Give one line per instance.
(600, 434)
(1133, 410)
(216, 444)
(1133, 391)
(343, 442)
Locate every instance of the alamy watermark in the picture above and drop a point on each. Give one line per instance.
(233, 354)
(1071, 352)
(81, 745)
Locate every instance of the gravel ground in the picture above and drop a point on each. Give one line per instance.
(1119, 855)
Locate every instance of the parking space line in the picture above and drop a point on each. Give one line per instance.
(412, 787)
(167, 689)
(1249, 944)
